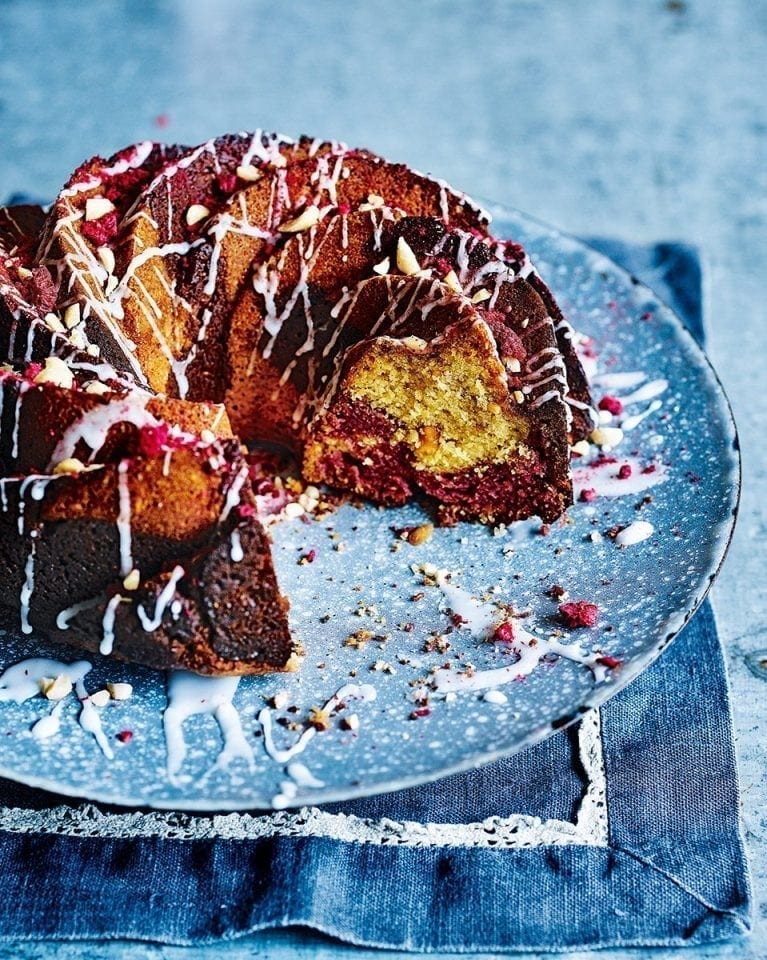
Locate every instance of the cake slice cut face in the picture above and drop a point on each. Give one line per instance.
(458, 434)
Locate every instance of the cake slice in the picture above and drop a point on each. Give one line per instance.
(111, 558)
(457, 433)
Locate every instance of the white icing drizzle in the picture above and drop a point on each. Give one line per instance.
(530, 650)
(350, 691)
(64, 616)
(478, 617)
(630, 423)
(268, 152)
(21, 682)
(87, 276)
(545, 397)
(188, 695)
(152, 313)
(180, 367)
(302, 776)
(634, 533)
(22, 389)
(236, 552)
(108, 625)
(647, 391)
(49, 725)
(90, 720)
(124, 518)
(36, 484)
(164, 598)
(150, 253)
(94, 425)
(288, 793)
(266, 282)
(282, 755)
(604, 480)
(617, 381)
(234, 493)
(135, 159)
(28, 587)
(443, 205)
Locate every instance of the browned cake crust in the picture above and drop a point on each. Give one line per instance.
(294, 291)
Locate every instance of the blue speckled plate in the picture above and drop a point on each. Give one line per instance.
(646, 593)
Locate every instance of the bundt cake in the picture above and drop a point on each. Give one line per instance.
(175, 303)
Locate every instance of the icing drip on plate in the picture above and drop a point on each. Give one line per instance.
(528, 649)
(603, 477)
(22, 681)
(189, 695)
(350, 691)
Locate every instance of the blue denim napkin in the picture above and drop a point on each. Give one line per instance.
(623, 831)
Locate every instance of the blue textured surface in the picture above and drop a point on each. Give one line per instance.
(643, 121)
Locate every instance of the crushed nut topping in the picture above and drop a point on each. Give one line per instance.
(249, 173)
(53, 323)
(107, 258)
(97, 207)
(56, 688)
(304, 221)
(451, 280)
(606, 436)
(358, 639)
(481, 295)
(72, 315)
(69, 465)
(422, 534)
(196, 213)
(100, 698)
(56, 372)
(120, 691)
(279, 701)
(99, 389)
(319, 719)
(581, 448)
(406, 259)
(382, 666)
